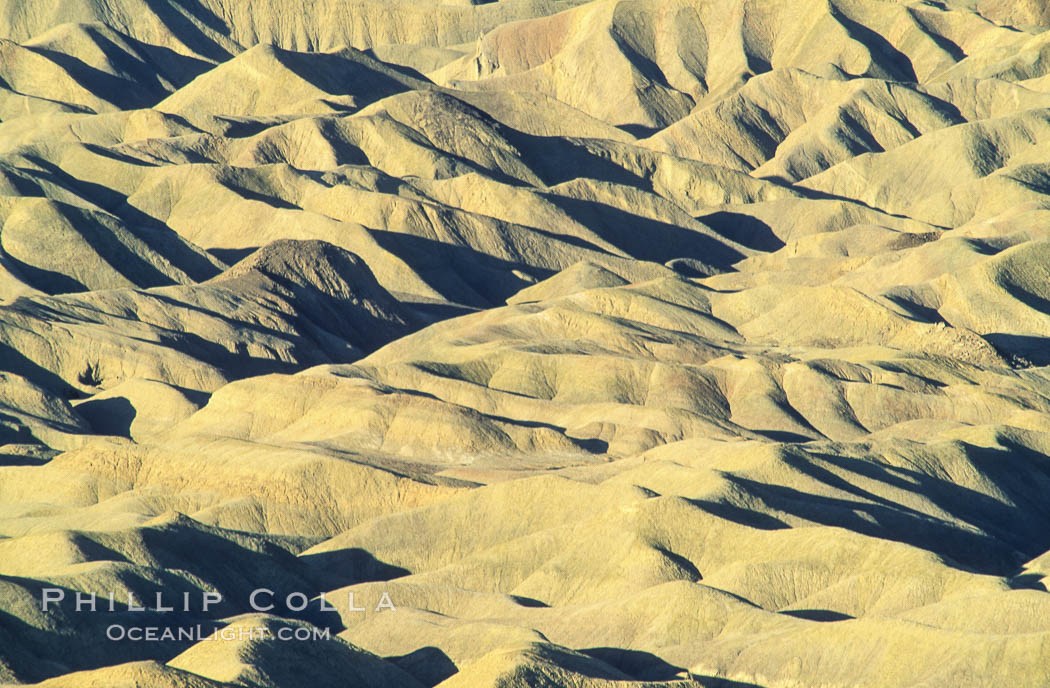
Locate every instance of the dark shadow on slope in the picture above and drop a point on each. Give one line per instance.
(763, 130)
(931, 32)
(47, 281)
(785, 436)
(1029, 299)
(167, 243)
(155, 234)
(231, 567)
(338, 328)
(719, 682)
(124, 93)
(1001, 534)
(739, 514)
(22, 459)
(95, 551)
(528, 601)
(79, 640)
(173, 15)
(104, 241)
(20, 181)
(402, 69)
(16, 362)
(237, 127)
(346, 153)
(693, 268)
(1022, 521)
(743, 229)
(958, 547)
(815, 194)
(104, 197)
(557, 159)
(646, 239)
(308, 338)
(239, 363)
(339, 568)
(140, 66)
(639, 131)
(756, 64)
(112, 416)
(649, 69)
(913, 310)
(979, 509)
(429, 665)
(1024, 351)
(103, 151)
(895, 64)
(252, 195)
(176, 68)
(591, 445)
(1028, 581)
(184, 556)
(643, 666)
(821, 615)
(341, 74)
(681, 562)
(859, 139)
(431, 313)
(232, 256)
(459, 273)
(13, 431)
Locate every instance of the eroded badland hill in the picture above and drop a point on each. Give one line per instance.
(621, 343)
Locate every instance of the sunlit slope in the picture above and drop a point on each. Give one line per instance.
(614, 344)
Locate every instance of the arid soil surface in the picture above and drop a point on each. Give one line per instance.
(557, 344)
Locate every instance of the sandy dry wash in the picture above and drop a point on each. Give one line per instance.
(613, 343)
